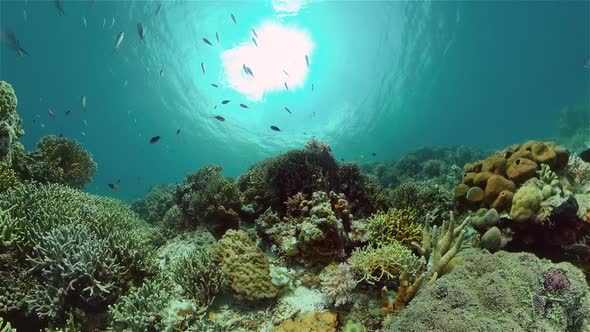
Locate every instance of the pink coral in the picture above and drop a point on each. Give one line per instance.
(338, 284)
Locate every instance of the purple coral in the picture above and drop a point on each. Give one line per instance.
(338, 284)
(555, 281)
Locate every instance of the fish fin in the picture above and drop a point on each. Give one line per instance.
(21, 50)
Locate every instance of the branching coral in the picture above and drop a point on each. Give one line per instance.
(7, 177)
(199, 277)
(246, 267)
(156, 203)
(394, 226)
(57, 160)
(337, 284)
(374, 264)
(5, 327)
(10, 122)
(206, 197)
(77, 268)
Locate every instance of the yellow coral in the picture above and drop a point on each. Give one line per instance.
(7, 177)
(315, 321)
(400, 225)
(384, 262)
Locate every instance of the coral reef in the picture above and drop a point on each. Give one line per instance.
(374, 264)
(245, 266)
(424, 198)
(317, 321)
(337, 283)
(56, 160)
(7, 177)
(207, 198)
(10, 123)
(396, 225)
(156, 203)
(500, 292)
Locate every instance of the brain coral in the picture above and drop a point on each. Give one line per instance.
(245, 266)
(10, 122)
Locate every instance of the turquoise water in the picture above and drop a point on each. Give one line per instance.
(387, 76)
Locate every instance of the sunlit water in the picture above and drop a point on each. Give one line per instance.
(387, 77)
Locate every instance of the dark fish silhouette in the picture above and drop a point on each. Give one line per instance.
(68, 112)
(203, 67)
(233, 18)
(217, 37)
(288, 110)
(10, 38)
(248, 70)
(220, 118)
(307, 61)
(255, 43)
(275, 128)
(140, 30)
(214, 85)
(311, 86)
(154, 139)
(286, 86)
(207, 41)
(244, 106)
(158, 9)
(254, 32)
(51, 113)
(59, 5)
(225, 102)
(585, 155)
(113, 186)
(178, 132)
(284, 71)
(373, 154)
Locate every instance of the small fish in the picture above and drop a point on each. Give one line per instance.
(119, 39)
(158, 9)
(248, 71)
(341, 159)
(68, 112)
(59, 5)
(85, 123)
(207, 41)
(84, 22)
(314, 114)
(373, 154)
(83, 133)
(10, 38)
(284, 71)
(288, 110)
(307, 61)
(203, 67)
(61, 135)
(51, 112)
(217, 37)
(286, 86)
(254, 41)
(234, 19)
(113, 186)
(42, 125)
(585, 155)
(125, 84)
(178, 132)
(112, 22)
(25, 15)
(214, 85)
(161, 73)
(254, 32)
(147, 69)
(244, 106)
(83, 101)
(154, 139)
(104, 22)
(140, 30)
(220, 118)
(225, 102)
(312, 87)
(275, 128)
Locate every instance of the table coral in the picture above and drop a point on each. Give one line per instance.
(246, 267)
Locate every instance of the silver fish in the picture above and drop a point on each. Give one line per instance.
(255, 43)
(84, 22)
(140, 30)
(25, 15)
(307, 61)
(119, 40)
(161, 73)
(125, 84)
(254, 32)
(83, 133)
(104, 22)
(587, 65)
(10, 38)
(113, 22)
(85, 123)
(158, 9)
(83, 101)
(59, 5)
(203, 67)
(234, 19)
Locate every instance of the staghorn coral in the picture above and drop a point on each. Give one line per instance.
(208, 198)
(5, 327)
(375, 264)
(245, 266)
(156, 203)
(499, 292)
(10, 123)
(394, 226)
(78, 270)
(199, 278)
(56, 160)
(337, 284)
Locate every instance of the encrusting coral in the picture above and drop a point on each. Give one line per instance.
(245, 266)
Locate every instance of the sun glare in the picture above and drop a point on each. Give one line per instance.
(278, 62)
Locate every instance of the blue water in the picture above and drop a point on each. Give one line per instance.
(387, 76)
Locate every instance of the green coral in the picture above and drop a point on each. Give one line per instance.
(206, 197)
(246, 267)
(5, 327)
(375, 264)
(395, 225)
(10, 122)
(422, 198)
(156, 203)
(76, 265)
(199, 278)
(7, 177)
(57, 160)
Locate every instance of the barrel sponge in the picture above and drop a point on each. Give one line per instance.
(494, 164)
(526, 201)
(495, 185)
(521, 170)
(245, 266)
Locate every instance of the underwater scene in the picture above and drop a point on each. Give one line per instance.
(294, 166)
